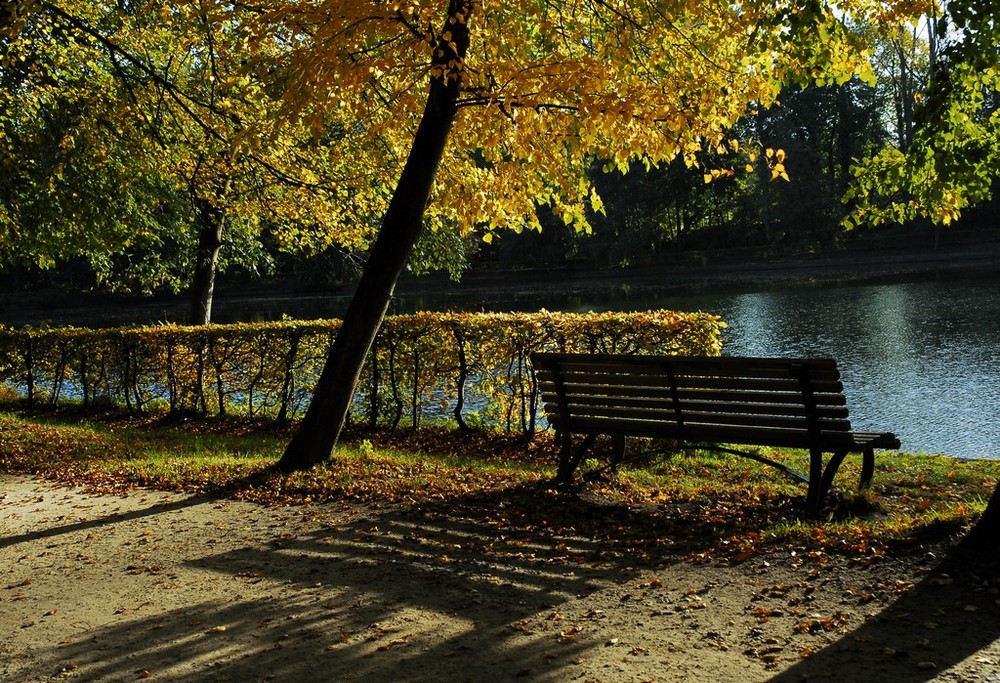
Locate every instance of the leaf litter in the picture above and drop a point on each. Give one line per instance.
(665, 563)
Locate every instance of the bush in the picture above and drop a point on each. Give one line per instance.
(422, 365)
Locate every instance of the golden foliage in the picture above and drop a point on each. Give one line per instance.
(420, 362)
(300, 113)
(547, 86)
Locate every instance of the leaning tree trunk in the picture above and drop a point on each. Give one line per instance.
(402, 223)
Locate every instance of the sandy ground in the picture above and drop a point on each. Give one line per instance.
(177, 588)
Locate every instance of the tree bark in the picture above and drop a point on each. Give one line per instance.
(402, 224)
(210, 223)
(987, 529)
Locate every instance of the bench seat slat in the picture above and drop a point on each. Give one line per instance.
(693, 395)
(705, 417)
(696, 382)
(750, 435)
(821, 369)
(695, 419)
(594, 382)
(876, 439)
(722, 405)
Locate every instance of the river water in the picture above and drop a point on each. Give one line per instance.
(920, 359)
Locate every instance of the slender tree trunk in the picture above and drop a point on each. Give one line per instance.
(210, 223)
(402, 223)
(904, 106)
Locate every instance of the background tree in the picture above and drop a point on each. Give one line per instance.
(902, 63)
(650, 212)
(163, 90)
(62, 158)
(822, 130)
(951, 159)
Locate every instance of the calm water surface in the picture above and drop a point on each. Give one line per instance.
(918, 359)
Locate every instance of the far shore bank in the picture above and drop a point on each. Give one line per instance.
(707, 275)
(513, 290)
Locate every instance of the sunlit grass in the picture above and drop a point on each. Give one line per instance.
(208, 456)
(744, 505)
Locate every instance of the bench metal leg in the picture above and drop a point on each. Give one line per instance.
(867, 467)
(794, 474)
(568, 459)
(831, 470)
(814, 495)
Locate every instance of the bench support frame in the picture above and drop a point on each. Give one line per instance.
(819, 479)
(819, 483)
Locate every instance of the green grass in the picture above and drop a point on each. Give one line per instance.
(739, 507)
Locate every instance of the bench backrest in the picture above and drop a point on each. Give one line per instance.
(770, 401)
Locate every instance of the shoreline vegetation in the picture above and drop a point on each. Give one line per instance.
(708, 275)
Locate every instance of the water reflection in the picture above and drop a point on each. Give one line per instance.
(919, 359)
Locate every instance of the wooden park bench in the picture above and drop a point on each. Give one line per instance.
(712, 401)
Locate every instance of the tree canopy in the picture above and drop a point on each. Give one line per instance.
(548, 86)
(949, 158)
(499, 109)
(134, 135)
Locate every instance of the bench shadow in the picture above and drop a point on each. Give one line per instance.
(946, 619)
(462, 590)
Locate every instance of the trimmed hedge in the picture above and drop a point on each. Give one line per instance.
(471, 366)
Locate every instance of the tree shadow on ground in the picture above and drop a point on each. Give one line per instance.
(90, 524)
(946, 619)
(435, 592)
(462, 589)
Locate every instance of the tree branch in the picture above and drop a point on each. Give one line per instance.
(185, 101)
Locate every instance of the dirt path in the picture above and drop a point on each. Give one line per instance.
(169, 587)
